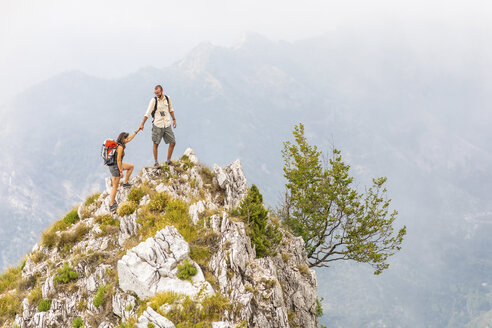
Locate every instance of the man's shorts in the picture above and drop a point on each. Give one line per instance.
(159, 133)
(115, 171)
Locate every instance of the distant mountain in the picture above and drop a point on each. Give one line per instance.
(393, 111)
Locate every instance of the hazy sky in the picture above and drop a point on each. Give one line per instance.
(108, 38)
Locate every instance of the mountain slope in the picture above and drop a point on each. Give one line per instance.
(172, 257)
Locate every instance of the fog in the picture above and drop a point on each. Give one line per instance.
(110, 39)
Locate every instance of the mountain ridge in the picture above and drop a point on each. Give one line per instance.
(174, 255)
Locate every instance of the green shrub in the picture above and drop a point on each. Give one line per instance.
(187, 163)
(77, 323)
(319, 307)
(186, 270)
(92, 198)
(136, 195)
(264, 236)
(69, 238)
(127, 208)
(106, 222)
(44, 305)
(207, 175)
(71, 217)
(65, 275)
(101, 295)
(150, 325)
(158, 202)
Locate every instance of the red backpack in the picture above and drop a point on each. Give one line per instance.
(108, 152)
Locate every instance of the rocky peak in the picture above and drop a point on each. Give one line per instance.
(173, 255)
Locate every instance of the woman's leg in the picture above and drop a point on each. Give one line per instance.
(129, 169)
(116, 181)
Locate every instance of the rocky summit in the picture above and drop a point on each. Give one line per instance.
(174, 254)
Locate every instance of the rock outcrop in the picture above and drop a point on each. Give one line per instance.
(173, 254)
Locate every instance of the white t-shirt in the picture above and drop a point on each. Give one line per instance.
(162, 118)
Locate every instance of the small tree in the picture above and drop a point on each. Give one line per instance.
(264, 236)
(334, 219)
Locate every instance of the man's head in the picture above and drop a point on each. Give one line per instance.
(158, 91)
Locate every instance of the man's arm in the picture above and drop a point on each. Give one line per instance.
(171, 111)
(174, 119)
(148, 113)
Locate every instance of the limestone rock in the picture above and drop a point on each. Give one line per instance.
(150, 316)
(232, 180)
(151, 266)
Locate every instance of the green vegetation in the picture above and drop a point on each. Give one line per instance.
(186, 312)
(67, 239)
(34, 295)
(207, 175)
(186, 270)
(71, 217)
(150, 325)
(334, 219)
(127, 208)
(319, 307)
(77, 322)
(136, 195)
(50, 238)
(158, 202)
(92, 198)
(65, 275)
(10, 305)
(107, 223)
(44, 305)
(186, 162)
(176, 214)
(101, 295)
(264, 236)
(10, 279)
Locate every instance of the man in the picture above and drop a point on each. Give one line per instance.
(161, 127)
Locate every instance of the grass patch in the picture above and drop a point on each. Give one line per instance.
(65, 275)
(186, 270)
(107, 223)
(71, 217)
(44, 305)
(304, 270)
(136, 195)
(207, 175)
(189, 313)
(35, 295)
(127, 208)
(69, 238)
(10, 279)
(50, 238)
(186, 162)
(92, 198)
(102, 294)
(10, 305)
(158, 202)
(77, 322)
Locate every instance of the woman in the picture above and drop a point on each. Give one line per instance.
(117, 169)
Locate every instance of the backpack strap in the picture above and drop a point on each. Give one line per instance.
(155, 106)
(155, 109)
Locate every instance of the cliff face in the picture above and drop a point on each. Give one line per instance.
(173, 256)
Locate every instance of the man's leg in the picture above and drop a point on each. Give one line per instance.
(170, 150)
(156, 146)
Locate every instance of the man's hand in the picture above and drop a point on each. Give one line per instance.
(141, 127)
(174, 124)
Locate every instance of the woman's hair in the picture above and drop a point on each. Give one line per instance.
(121, 138)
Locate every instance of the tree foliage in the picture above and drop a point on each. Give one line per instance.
(264, 236)
(336, 221)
